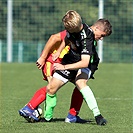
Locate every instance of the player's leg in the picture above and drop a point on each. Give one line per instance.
(47, 71)
(28, 110)
(54, 85)
(39, 96)
(89, 96)
(76, 103)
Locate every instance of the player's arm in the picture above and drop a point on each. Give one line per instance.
(62, 46)
(59, 50)
(85, 58)
(64, 43)
(52, 40)
(83, 63)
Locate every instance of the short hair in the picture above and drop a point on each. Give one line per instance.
(72, 21)
(105, 25)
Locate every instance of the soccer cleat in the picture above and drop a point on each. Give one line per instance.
(70, 118)
(28, 114)
(74, 119)
(100, 120)
(44, 120)
(79, 120)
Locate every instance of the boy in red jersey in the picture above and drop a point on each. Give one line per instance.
(48, 56)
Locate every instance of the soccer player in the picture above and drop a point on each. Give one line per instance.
(48, 56)
(47, 59)
(82, 54)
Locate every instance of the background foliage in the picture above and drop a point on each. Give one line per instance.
(35, 20)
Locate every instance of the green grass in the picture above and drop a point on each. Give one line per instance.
(112, 88)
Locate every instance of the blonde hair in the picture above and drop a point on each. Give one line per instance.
(72, 21)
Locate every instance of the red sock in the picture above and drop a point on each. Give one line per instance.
(38, 98)
(76, 102)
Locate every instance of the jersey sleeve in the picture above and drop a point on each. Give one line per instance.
(63, 34)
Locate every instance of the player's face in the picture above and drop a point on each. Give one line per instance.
(99, 34)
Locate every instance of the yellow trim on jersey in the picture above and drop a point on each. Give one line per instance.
(64, 51)
(48, 68)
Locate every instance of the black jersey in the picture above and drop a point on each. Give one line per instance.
(80, 43)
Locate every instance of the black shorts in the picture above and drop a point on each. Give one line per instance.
(67, 74)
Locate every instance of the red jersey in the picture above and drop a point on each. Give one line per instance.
(55, 47)
(48, 67)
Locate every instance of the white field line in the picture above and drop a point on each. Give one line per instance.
(115, 99)
(98, 98)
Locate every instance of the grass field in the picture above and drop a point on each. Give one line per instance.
(112, 88)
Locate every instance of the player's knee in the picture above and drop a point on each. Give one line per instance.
(80, 83)
(50, 90)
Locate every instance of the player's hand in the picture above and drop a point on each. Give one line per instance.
(58, 66)
(40, 63)
(55, 56)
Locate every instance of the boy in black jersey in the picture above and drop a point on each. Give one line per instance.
(78, 65)
(83, 52)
